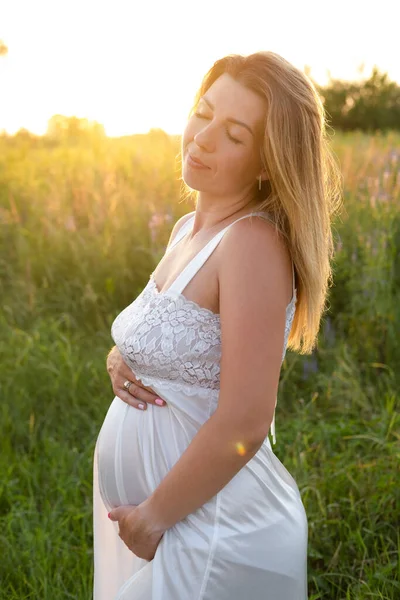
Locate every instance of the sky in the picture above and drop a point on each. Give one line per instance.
(136, 65)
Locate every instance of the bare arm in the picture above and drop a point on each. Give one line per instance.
(252, 330)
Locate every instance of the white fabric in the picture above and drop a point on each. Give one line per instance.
(250, 540)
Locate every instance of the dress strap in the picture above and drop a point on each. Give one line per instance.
(197, 261)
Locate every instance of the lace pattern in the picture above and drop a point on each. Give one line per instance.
(165, 336)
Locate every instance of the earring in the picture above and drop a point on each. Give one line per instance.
(259, 182)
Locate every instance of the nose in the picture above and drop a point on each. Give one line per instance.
(205, 137)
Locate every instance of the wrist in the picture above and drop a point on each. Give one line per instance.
(153, 515)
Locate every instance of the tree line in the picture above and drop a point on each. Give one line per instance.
(367, 105)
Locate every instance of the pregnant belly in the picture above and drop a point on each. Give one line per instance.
(120, 460)
(135, 450)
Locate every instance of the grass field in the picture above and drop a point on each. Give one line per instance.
(81, 228)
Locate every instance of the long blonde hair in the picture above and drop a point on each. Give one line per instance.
(304, 188)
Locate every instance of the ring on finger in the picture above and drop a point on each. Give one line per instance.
(127, 384)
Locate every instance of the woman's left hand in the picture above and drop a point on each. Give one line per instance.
(137, 530)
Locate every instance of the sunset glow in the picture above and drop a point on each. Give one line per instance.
(135, 66)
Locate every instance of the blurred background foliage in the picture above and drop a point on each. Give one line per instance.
(84, 219)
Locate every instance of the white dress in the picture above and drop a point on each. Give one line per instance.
(247, 542)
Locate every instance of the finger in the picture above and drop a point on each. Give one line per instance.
(114, 515)
(117, 513)
(141, 394)
(137, 390)
(129, 399)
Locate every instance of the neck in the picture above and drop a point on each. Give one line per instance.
(213, 216)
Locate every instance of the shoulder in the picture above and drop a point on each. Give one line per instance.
(254, 282)
(254, 257)
(183, 219)
(180, 222)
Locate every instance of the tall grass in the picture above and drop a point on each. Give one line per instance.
(81, 228)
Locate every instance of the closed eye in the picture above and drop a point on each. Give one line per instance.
(226, 129)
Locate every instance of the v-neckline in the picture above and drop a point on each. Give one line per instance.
(184, 268)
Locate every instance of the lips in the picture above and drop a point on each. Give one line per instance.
(197, 160)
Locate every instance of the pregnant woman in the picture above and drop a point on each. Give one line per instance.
(190, 501)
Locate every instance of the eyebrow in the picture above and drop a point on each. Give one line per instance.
(211, 105)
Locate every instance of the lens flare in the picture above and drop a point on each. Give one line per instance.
(241, 450)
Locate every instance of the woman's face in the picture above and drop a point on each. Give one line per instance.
(231, 151)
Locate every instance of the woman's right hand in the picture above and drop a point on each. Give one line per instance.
(137, 394)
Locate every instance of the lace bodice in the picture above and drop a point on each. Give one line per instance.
(169, 337)
(164, 336)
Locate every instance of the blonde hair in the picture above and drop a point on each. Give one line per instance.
(304, 187)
